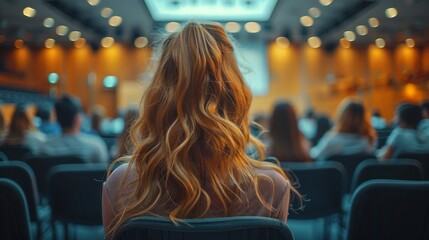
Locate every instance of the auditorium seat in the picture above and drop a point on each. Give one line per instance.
(16, 152)
(322, 185)
(3, 157)
(75, 194)
(390, 209)
(14, 217)
(423, 158)
(228, 228)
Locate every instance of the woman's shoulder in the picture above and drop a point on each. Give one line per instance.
(278, 179)
(116, 176)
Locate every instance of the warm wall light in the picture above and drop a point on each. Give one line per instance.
(306, 21)
(62, 30)
(344, 43)
(326, 2)
(314, 42)
(410, 42)
(232, 27)
(29, 12)
(74, 35)
(380, 43)
(80, 43)
(252, 27)
(48, 22)
(141, 42)
(349, 35)
(110, 82)
(53, 78)
(106, 12)
(391, 12)
(107, 42)
(362, 30)
(282, 42)
(93, 2)
(315, 12)
(373, 22)
(172, 26)
(19, 43)
(115, 21)
(49, 43)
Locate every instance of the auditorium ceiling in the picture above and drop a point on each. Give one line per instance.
(360, 21)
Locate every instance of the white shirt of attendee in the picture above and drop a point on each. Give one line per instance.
(72, 142)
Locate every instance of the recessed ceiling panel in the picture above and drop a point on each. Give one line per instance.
(214, 10)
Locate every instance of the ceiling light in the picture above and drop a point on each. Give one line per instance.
(326, 2)
(62, 30)
(141, 42)
(380, 43)
(74, 35)
(19, 43)
(115, 21)
(93, 2)
(362, 30)
(345, 43)
(314, 42)
(49, 43)
(306, 21)
(172, 26)
(107, 42)
(391, 12)
(410, 42)
(315, 12)
(252, 27)
(29, 12)
(282, 42)
(2, 38)
(48, 22)
(349, 35)
(80, 43)
(232, 27)
(106, 12)
(373, 22)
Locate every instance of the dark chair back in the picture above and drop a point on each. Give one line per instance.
(401, 169)
(22, 174)
(75, 193)
(42, 164)
(350, 162)
(14, 217)
(16, 152)
(423, 158)
(322, 184)
(390, 209)
(229, 228)
(3, 157)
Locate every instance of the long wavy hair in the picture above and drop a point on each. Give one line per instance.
(353, 118)
(18, 127)
(286, 138)
(192, 132)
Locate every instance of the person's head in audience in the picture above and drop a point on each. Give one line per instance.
(288, 143)
(19, 125)
(408, 115)
(309, 113)
(68, 110)
(97, 117)
(125, 146)
(425, 109)
(43, 112)
(353, 118)
(192, 132)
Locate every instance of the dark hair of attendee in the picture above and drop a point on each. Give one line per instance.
(19, 125)
(287, 140)
(125, 144)
(309, 113)
(409, 115)
(96, 119)
(352, 118)
(43, 112)
(376, 113)
(67, 108)
(323, 125)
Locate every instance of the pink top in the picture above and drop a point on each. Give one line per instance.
(277, 194)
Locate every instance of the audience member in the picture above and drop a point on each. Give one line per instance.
(21, 131)
(287, 142)
(405, 138)
(72, 141)
(124, 145)
(377, 121)
(424, 123)
(44, 123)
(352, 133)
(189, 159)
(307, 124)
(323, 125)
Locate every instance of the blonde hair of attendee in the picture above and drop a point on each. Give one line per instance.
(192, 132)
(353, 118)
